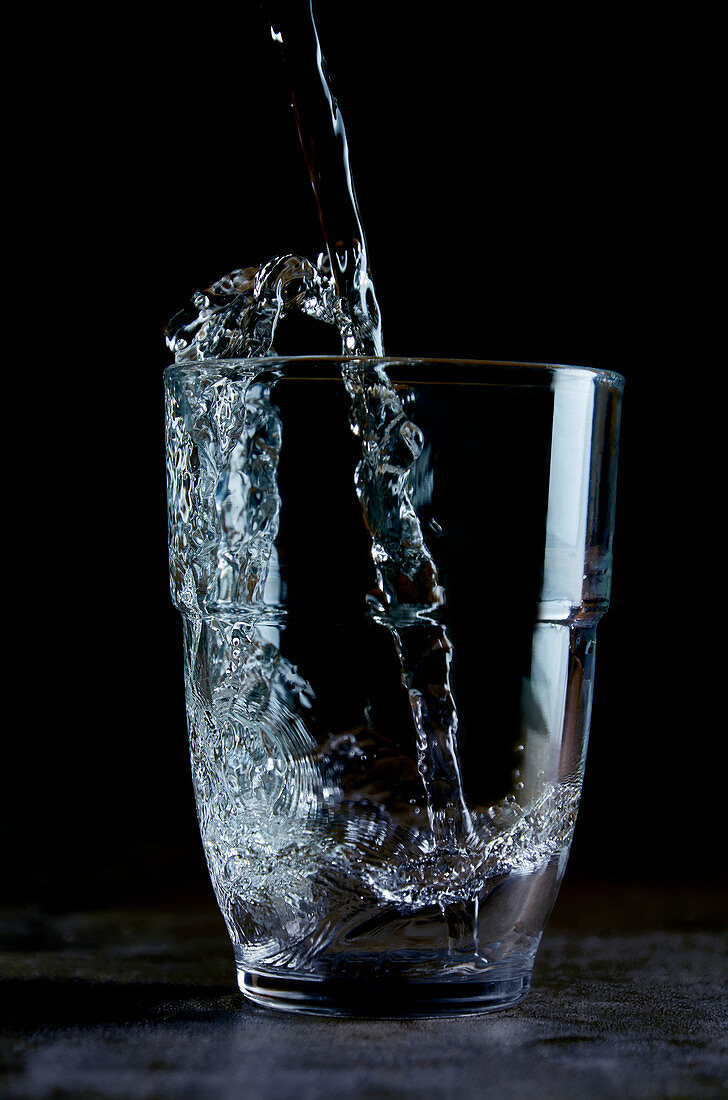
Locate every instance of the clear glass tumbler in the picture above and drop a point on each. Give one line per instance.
(390, 574)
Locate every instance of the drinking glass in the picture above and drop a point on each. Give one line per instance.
(390, 574)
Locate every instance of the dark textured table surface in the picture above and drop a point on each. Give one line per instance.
(628, 1000)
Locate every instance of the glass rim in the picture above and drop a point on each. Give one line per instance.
(600, 374)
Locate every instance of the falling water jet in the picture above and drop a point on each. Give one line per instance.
(238, 317)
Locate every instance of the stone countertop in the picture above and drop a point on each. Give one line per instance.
(628, 1000)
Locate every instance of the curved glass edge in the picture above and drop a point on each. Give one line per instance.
(582, 497)
(502, 988)
(206, 367)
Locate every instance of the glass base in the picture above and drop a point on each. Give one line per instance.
(387, 1000)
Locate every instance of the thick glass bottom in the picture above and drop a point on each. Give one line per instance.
(387, 999)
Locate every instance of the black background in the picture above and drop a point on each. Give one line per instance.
(537, 171)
